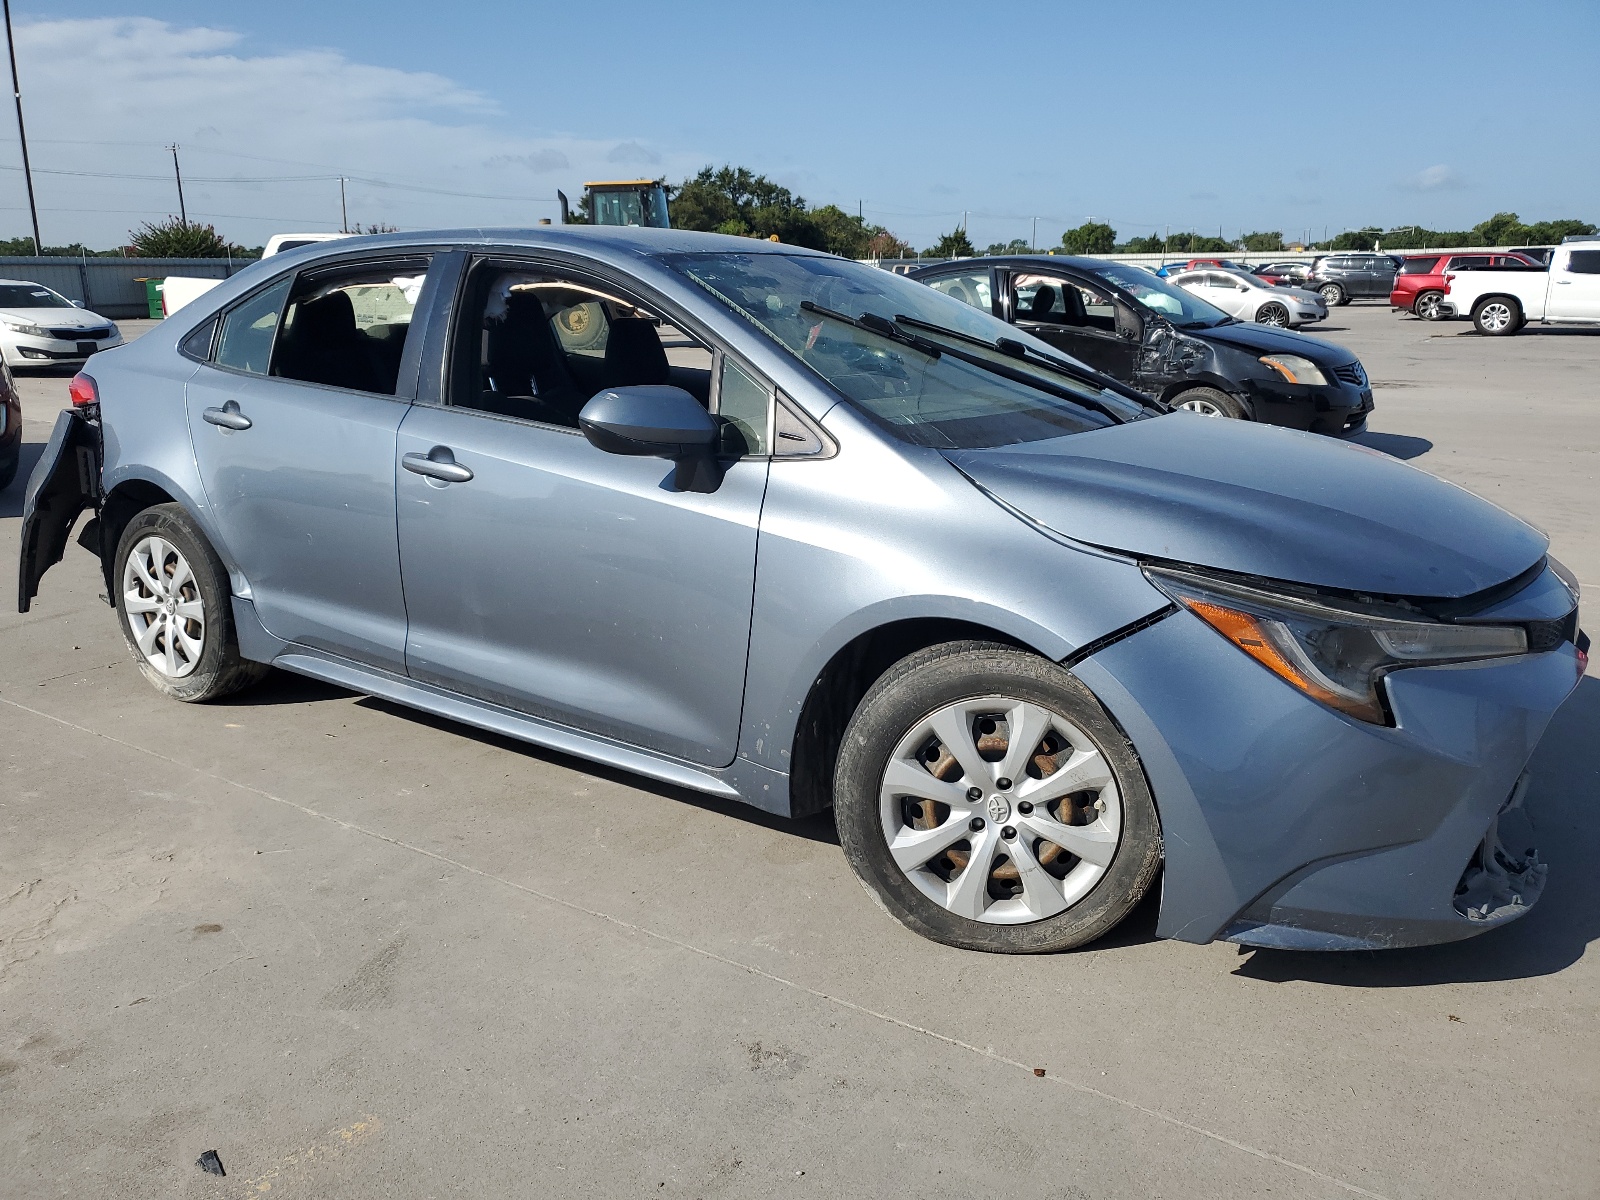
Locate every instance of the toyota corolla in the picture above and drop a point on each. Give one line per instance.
(796, 531)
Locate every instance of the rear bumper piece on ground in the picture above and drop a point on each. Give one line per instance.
(1287, 824)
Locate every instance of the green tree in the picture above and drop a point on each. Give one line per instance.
(1140, 245)
(844, 233)
(1264, 242)
(1091, 237)
(737, 200)
(173, 238)
(1550, 233)
(952, 245)
(1014, 246)
(1502, 229)
(885, 245)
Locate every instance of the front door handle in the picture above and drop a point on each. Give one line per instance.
(437, 463)
(228, 416)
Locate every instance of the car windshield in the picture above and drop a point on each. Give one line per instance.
(1182, 308)
(30, 295)
(920, 393)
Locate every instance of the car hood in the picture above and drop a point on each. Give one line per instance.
(1262, 501)
(64, 318)
(1266, 339)
(1302, 294)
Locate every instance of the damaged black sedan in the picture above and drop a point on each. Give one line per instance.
(1130, 324)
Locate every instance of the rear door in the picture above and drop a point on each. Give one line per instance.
(545, 575)
(1575, 286)
(294, 418)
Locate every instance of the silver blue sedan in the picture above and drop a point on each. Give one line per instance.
(792, 530)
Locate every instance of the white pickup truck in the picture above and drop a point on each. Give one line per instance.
(178, 290)
(1503, 301)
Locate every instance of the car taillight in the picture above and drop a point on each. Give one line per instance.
(1447, 281)
(83, 391)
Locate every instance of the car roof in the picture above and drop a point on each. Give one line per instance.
(1037, 261)
(617, 238)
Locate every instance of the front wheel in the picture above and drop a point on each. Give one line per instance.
(1333, 295)
(1427, 306)
(1497, 316)
(1273, 314)
(1210, 402)
(988, 802)
(175, 607)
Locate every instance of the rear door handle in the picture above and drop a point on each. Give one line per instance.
(437, 463)
(228, 416)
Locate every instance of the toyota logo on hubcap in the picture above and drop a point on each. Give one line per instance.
(999, 809)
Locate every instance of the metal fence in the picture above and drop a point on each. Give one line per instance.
(113, 287)
(1254, 257)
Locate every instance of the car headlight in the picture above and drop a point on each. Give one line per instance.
(1336, 655)
(30, 330)
(1295, 369)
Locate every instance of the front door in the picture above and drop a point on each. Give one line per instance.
(1079, 318)
(293, 420)
(548, 576)
(1575, 287)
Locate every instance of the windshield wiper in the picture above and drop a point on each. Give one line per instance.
(873, 323)
(1020, 350)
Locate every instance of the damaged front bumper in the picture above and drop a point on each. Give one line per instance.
(1287, 824)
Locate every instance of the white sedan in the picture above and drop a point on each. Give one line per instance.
(1246, 296)
(41, 328)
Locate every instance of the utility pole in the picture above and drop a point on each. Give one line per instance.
(1034, 244)
(861, 211)
(344, 217)
(183, 213)
(22, 133)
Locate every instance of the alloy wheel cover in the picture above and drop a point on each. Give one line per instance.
(1001, 855)
(165, 613)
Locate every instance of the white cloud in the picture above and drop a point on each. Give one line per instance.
(105, 96)
(1437, 178)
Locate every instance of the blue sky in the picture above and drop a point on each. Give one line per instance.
(1238, 115)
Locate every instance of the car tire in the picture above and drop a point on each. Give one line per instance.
(1273, 314)
(953, 686)
(8, 469)
(1497, 316)
(1333, 295)
(1210, 402)
(1426, 306)
(174, 606)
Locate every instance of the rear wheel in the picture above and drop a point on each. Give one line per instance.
(1426, 306)
(175, 607)
(1273, 314)
(1210, 402)
(1333, 295)
(987, 801)
(1497, 316)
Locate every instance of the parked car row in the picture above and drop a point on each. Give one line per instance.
(792, 530)
(1173, 339)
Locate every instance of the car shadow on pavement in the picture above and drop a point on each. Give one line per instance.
(1564, 797)
(1398, 445)
(11, 498)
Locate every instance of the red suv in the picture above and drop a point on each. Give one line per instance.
(1419, 285)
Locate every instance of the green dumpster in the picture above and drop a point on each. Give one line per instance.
(152, 295)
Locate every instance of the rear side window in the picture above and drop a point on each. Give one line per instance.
(346, 326)
(1469, 260)
(1584, 262)
(971, 288)
(248, 331)
(1419, 266)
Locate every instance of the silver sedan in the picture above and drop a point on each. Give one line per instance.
(1242, 295)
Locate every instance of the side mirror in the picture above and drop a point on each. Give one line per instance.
(656, 421)
(78, 304)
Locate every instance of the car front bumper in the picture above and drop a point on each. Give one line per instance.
(24, 350)
(1288, 824)
(1334, 408)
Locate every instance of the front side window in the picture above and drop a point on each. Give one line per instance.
(1182, 308)
(745, 404)
(919, 393)
(345, 326)
(536, 345)
(971, 288)
(249, 329)
(1584, 262)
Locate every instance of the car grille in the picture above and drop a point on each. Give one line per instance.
(82, 335)
(1352, 373)
(1547, 635)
